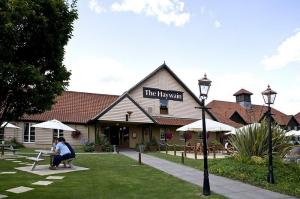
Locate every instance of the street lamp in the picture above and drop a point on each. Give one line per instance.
(269, 97)
(204, 85)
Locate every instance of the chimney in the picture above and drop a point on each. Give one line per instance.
(243, 97)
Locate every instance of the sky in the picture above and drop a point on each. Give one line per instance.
(238, 44)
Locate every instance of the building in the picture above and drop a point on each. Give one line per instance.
(159, 103)
(243, 112)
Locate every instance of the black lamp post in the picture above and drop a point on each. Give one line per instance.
(204, 85)
(269, 97)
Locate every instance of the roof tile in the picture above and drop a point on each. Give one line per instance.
(74, 107)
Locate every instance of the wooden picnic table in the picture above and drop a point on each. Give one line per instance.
(38, 158)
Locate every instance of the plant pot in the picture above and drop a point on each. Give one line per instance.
(98, 148)
(152, 148)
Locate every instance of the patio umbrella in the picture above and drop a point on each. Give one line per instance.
(9, 125)
(54, 124)
(293, 133)
(211, 126)
(233, 132)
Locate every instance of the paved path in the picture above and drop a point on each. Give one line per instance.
(223, 186)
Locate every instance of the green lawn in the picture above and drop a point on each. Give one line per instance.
(110, 176)
(287, 176)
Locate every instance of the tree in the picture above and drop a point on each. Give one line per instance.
(33, 34)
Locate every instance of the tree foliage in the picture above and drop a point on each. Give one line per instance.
(33, 34)
(253, 140)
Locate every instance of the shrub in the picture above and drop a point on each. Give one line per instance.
(258, 160)
(89, 147)
(253, 140)
(15, 143)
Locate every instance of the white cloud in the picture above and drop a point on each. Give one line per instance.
(100, 75)
(287, 52)
(217, 24)
(166, 11)
(95, 6)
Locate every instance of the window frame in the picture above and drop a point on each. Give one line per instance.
(31, 130)
(163, 107)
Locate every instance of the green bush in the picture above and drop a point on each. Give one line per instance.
(104, 142)
(15, 143)
(258, 160)
(89, 147)
(253, 140)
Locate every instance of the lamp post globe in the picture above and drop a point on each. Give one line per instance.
(269, 97)
(204, 85)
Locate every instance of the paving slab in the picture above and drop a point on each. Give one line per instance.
(9, 159)
(55, 177)
(42, 182)
(224, 186)
(8, 172)
(43, 170)
(20, 189)
(17, 161)
(3, 196)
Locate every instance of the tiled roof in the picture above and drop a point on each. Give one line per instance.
(242, 91)
(75, 107)
(168, 121)
(224, 110)
(297, 116)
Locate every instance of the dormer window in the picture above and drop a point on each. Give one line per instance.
(163, 106)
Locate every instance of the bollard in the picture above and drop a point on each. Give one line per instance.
(140, 158)
(166, 149)
(184, 150)
(182, 158)
(195, 154)
(214, 151)
(175, 149)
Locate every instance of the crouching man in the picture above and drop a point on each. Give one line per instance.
(62, 153)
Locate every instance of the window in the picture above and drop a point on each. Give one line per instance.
(58, 135)
(163, 133)
(181, 135)
(163, 106)
(199, 135)
(1, 134)
(29, 133)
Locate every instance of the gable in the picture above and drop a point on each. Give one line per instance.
(124, 105)
(236, 117)
(164, 80)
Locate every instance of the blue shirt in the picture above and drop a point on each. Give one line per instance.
(62, 148)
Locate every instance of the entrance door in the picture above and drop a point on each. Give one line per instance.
(114, 135)
(124, 136)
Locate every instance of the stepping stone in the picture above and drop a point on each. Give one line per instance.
(55, 177)
(22, 163)
(42, 182)
(9, 159)
(3, 196)
(28, 164)
(8, 172)
(16, 161)
(20, 189)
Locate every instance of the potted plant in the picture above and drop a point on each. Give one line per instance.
(152, 145)
(75, 134)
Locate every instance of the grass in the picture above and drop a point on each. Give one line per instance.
(287, 176)
(110, 176)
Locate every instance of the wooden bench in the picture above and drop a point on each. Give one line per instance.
(69, 162)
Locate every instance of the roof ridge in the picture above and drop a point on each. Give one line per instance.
(89, 93)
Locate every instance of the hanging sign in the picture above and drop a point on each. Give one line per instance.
(156, 93)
